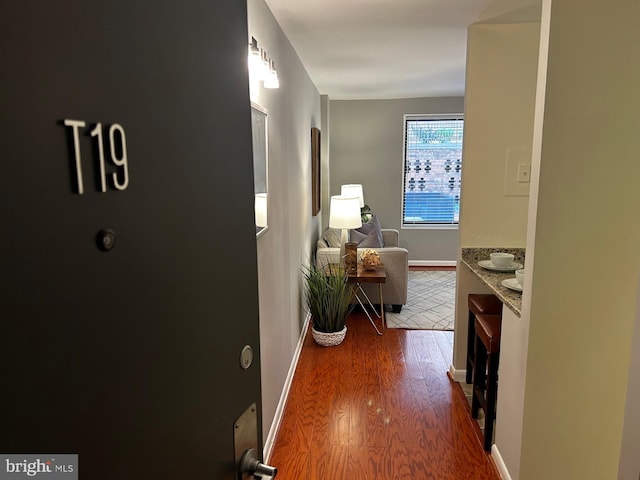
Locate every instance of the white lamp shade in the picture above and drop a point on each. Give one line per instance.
(261, 209)
(353, 190)
(345, 212)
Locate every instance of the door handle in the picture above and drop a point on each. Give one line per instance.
(245, 438)
(250, 464)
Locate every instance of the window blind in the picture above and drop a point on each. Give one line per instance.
(432, 170)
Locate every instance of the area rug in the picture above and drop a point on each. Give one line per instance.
(430, 302)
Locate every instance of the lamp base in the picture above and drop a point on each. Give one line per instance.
(351, 257)
(344, 238)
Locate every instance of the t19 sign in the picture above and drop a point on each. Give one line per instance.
(117, 148)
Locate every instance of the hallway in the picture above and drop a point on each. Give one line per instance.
(378, 408)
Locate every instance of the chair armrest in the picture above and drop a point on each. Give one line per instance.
(327, 255)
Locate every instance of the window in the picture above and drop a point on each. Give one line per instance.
(432, 167)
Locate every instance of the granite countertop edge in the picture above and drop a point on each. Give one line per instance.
(471, 256)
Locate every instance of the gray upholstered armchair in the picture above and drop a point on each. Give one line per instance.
(396, 265)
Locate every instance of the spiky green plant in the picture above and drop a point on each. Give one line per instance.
(328, 296)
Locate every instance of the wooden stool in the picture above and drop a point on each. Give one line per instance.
(487, 357)
(479, 303)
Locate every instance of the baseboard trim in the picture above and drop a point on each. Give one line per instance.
(457, 375)
(277, 418)
(460, 377)
(433, 263)
(497, 459)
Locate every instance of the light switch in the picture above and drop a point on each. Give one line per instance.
(517, 170)
(524, 172)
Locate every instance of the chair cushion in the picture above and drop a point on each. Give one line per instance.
(369, 235)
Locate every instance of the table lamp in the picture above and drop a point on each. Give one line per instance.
(353, 190)
(344, 214)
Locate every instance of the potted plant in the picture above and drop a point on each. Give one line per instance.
(328, 296)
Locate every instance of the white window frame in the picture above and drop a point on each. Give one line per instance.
(424, 226)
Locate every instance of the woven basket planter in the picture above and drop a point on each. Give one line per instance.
(329, 339)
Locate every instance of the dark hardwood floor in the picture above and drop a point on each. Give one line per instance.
(379, 407)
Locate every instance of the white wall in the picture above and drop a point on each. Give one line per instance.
(511, 11)
(499, 112)
(515, 331)
(499, 117)
(584, 274)
(499, 109)
(293, 109)
(512, 373)
(366, 147)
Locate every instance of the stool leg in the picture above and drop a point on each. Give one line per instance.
(471, 336)
(492, 396)
(480, 367)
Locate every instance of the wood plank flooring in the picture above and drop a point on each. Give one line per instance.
(379, 407)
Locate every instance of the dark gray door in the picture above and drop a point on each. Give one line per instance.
(128, 357)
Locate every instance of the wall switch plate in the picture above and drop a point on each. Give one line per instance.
(517, 170)
(524, 173)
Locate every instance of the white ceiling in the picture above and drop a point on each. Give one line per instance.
(364, 49)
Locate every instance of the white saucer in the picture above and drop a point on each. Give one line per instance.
(512, 284)
(488, 264)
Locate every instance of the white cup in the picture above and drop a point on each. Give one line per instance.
(501, 259)
(520, 276)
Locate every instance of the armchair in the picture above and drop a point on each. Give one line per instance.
(396, 265)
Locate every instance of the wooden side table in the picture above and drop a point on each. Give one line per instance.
(361, 276)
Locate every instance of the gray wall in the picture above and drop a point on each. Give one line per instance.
(366, 147)
(292, 110)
